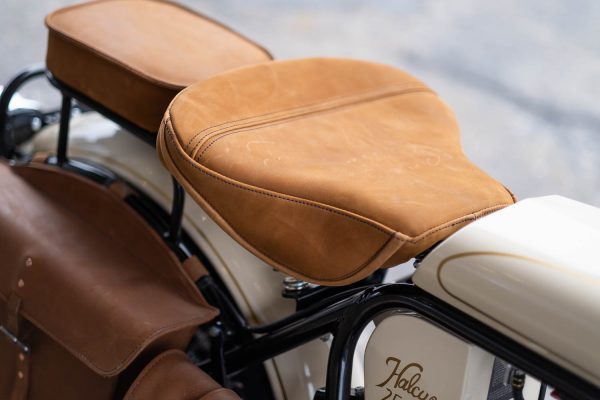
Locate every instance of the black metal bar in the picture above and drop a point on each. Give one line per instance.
(146, 136)
(63, 129)
(542, 393)
(286, 338)
(393, 297)
(6, 145)
(339, 366)
(304, 312)
(218, 358)
(178, 203)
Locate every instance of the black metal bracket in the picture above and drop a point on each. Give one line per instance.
(6, 146)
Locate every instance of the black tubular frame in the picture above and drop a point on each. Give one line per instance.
(342, 312)
(346, 320)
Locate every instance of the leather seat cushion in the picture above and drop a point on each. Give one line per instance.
(172, 376)
(326, 169)
(133, 56)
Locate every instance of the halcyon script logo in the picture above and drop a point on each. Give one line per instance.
(403, 381)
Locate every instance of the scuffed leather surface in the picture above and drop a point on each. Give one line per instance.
(327, 169)
(102, 287)
(133, 56)
(171, 376)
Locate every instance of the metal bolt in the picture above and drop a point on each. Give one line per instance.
(21, 357)
(214, 331)
(294, 285)
(518, 379)
(36, 124)
(21, 283)
(20, 375)
(28, 262)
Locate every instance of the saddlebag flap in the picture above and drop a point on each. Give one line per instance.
(172, 376)
(86, 287)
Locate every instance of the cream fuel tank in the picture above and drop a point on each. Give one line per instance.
(533, 258)
(531, 271)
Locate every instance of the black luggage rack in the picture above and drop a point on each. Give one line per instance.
(8, 147)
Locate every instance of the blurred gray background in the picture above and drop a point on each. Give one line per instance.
(522, 76)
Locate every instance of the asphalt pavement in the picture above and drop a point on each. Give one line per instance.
(522, 76)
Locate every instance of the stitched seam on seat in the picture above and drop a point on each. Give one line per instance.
(406, 85)
(281, 196)
(335, 102)
(113, 61)
(303, 111)
(214, 140)
(412, 239)
(392, 235)
(174, 4)
(473, 216)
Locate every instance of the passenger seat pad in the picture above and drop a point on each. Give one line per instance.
(134, 56)
(327, 169)
(172, 376)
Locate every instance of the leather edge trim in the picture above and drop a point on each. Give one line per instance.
(130, 395)
(107, 373)
(214, 174)
(211, 395)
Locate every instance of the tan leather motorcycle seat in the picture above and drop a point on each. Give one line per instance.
(326, 169)
(134, 56)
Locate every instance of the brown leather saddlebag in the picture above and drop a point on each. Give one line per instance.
(171, 376)
(88, 292)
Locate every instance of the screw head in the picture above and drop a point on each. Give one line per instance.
(21, 283)
(36, 124)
